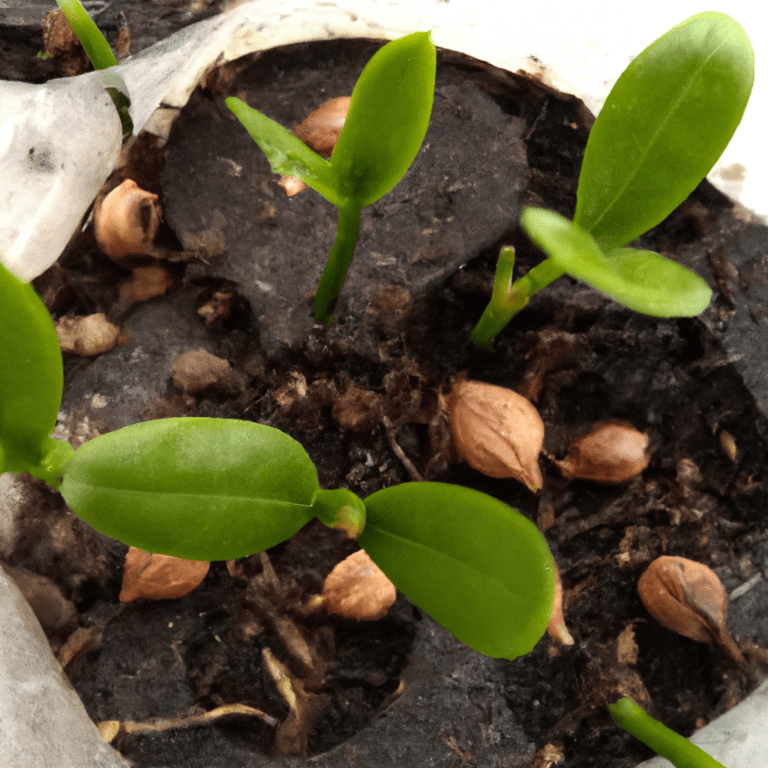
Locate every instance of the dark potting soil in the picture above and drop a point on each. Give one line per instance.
(361, 394)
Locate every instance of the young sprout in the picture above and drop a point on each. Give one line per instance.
(88, 34)
(387, 120)
(218, 489)
(662, 740)
(101, 56)
(664, 124)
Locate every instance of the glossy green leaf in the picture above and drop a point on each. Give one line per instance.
(196, 488)
(665, 123)
(477, 566)
(31, 375)
(641, 280)
(388, 118)
(286, 153)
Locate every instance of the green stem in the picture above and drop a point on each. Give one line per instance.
(662, 740)
(509, 298)
(88, 33)
(335, 271)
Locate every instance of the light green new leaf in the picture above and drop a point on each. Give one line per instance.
(665, 123)
(196, 488)
(475, 565)
(286, 153)
(641, 280)
(388, 118)
(31, 375)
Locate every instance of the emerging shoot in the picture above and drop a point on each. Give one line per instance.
(664, 124)
(384, 129)
(662, 740)
(101, 56)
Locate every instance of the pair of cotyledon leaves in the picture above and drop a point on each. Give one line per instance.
(387, 120)
(219, 489)
(214, 489)
(664, 125)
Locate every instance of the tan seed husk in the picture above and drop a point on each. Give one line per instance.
(688, 598)
(358, 589)
(159, 577)
(611, 452)
(319, 131)
(496, 431)
(126, 221)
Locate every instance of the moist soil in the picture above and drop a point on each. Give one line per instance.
(362, 397)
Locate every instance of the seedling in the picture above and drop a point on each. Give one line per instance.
(384, 129)
(662, 740)
(219, 489)
(664, 124)
(101, 56)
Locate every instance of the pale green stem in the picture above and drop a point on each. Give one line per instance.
(662, 740)
(335, 271)
(509, 298)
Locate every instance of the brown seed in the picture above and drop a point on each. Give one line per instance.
(159, 577)
(358, 589)
(612, 452)
(126, 221)
(688, 598)
(320, 131)
(496, 431)
(322, 128)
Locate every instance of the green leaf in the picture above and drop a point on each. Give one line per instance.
(475, 565)
(641, 280)
(31, 375)
(665, 123)
(286, 153)
(196, 488)
(388, 118)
